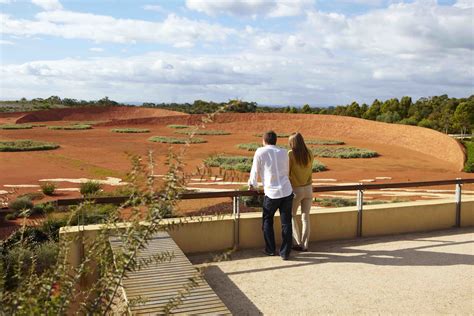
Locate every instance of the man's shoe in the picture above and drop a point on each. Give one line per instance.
(285, 257)
(268, 253)
(297, 248)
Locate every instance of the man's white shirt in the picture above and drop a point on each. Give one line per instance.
(272, 165)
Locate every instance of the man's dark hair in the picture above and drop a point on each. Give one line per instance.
(270, 138)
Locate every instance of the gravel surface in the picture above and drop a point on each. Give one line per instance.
(430, 273)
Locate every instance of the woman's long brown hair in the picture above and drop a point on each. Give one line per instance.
(300, 151)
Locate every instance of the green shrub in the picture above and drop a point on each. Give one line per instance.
(16, 126)
(26, 145)
(20, 204)
(343, 152)
(90, 188)
(203, 132)
(238, 163)
(93, 214)
(130, 130)
(253, 201)
(46, 255)
(77, 127)
(469, 166)
(48, 188)
(177, 126)
(318, 166)
(51, 227)
(32, 196)
(176, 140)
(324, 142)
(11, 216)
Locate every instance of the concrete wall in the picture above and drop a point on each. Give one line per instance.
(213, 233)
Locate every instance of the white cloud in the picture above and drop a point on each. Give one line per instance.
(96, 49)
(271, 8)
(464, 4)
(174, 30)
(5, 1)
(5, 42)
(48, 5)
(154, 7)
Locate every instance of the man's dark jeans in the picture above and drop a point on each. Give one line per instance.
(269, 208)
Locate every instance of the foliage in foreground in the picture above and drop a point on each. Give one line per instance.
(77, 127)
(343, 152)
(130, 130)
(26, 145)
(176, 140)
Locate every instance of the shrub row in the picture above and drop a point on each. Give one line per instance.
(469, 166)
(176, 140)
(71, 127)
(26, 145)
(238, 163)
(279, 135)
(343, 152)
(255, 146)
(324, 142)
(177, 126)
(16, 126)
(130, 130)
(203, 132)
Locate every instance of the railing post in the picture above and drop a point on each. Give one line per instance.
(457, 197)
(360, 208)
(236, 215)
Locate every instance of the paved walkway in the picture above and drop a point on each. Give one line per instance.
(430, 273)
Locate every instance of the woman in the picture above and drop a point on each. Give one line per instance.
(301, 170)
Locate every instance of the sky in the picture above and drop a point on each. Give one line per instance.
(274, 52)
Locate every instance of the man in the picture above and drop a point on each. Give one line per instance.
(271, 164)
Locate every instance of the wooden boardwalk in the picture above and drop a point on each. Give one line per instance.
(160, 282)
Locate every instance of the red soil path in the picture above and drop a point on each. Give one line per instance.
(407, 153)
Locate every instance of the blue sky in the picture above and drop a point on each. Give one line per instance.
(279, 52)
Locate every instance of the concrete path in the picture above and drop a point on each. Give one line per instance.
(430, 273)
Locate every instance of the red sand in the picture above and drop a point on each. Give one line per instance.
(407, 153)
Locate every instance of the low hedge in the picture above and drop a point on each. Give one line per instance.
(343, 152)
(16, 126)
(78, 127)
(255, 146)
(177, 126)
(204, 132)
(26, 145)
(130, 130)
(323, 142)
(279, 135)
(176, 140)
(469, 166)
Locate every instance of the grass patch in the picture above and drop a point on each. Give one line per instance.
(177, 126)
(279, 135)
(343, 152)
(324, 142)
(78, 127)
(176, 140)
(16, 126)
(130, 130)
(204, 132)
(469, 166)
(26, 145)
(238, 163)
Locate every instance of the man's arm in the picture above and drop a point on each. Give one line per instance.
(253, 180)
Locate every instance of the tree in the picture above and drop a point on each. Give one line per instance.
(464, 116)
(373, 111)
(353, 110)
(306, 109)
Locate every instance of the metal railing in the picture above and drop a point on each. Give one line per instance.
(236, 196)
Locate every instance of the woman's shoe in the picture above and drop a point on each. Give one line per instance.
(297, 248)
(304, 249)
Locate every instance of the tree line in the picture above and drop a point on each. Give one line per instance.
(442, 113)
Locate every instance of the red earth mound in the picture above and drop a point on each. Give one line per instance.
(95, 114)
(423, 140)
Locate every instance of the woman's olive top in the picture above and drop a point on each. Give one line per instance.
(300, 175)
